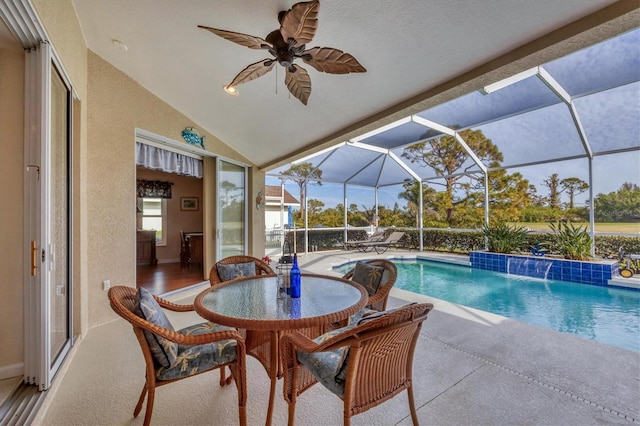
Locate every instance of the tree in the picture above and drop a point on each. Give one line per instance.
(315, 206)
(301, 174)
(227, 187)
(509, 195)
(553, 183)
(355, 217)
(395, 217)
(622, 205)
(449, 159)
(573, 186)
(411, 192)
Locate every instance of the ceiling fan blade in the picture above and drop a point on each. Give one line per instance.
(252, 42)
(298, 82)
(252, 72)
(300, 22)
(332, 61)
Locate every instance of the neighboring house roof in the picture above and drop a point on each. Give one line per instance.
(273, 194)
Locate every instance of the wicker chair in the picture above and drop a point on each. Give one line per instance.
(262, 268)
(196, 349)
(364, 364)
(378, 300)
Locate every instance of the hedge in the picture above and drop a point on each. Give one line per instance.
(454, 241)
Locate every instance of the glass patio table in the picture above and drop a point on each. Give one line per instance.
(251, 304)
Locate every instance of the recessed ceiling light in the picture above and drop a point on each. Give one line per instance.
(230, 90)
(120, 45)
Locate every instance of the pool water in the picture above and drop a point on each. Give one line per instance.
(606, 315)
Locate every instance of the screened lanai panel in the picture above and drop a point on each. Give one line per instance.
(612, 63)
(345, 162)
(537, 136)
(422, 168)
(398, 136)
(384, 171)
(388, 196)
(567, 187)
(611, 119)
(364, 194)
(476, 108)
(613, 176)
(369, 175)
(315, 161)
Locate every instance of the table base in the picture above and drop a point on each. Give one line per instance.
(264, 345)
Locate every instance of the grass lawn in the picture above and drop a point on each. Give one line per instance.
(613, 228)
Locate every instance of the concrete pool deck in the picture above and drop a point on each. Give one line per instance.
(470, 368)
(474, 367)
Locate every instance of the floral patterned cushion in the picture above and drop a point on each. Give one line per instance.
(231, 271)
(328, 367)
(192, 360)
(164, 351)
(368, 276)
(355, 319)
(375, 314)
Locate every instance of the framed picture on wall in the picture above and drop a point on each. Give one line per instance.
(188, 203)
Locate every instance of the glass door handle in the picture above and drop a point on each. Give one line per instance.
(34, 257)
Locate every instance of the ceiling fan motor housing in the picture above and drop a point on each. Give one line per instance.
(281, 49)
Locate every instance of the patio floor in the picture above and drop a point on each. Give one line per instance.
(470, 368)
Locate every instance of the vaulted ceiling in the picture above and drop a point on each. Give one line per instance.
(417, 53)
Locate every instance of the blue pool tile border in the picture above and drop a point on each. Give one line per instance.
(595, 273)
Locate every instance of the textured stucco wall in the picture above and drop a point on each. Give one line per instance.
(117, 105)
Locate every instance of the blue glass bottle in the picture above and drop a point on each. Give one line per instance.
(295, 277)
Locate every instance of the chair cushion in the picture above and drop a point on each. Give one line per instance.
(329, 367)
(368, 276)
(192, 360)
(371, 315)
(164, 351)
(355, 318)
(231, 271)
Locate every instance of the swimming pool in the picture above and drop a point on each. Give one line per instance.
(606, 315)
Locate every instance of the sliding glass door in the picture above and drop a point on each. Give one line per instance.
(231, 228)
(59, 213)
(48, 225)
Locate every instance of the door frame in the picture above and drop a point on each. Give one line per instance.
(40, 61)
(209, 197)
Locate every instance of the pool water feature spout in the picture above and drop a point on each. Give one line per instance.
(530, 267)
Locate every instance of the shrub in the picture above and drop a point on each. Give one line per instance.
(504, 238)
(570, 241)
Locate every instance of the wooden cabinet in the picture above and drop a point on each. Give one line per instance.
(192, 247)
(146, 248)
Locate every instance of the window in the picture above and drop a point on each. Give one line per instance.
(154, 217)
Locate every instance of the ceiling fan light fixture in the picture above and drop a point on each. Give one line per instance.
(120, 45)
(230, 90)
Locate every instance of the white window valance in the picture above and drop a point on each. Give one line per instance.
(156, 158)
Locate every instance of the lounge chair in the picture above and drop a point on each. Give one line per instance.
(353, 244)
(381, 246)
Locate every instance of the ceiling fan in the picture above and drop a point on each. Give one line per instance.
(297, 27)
